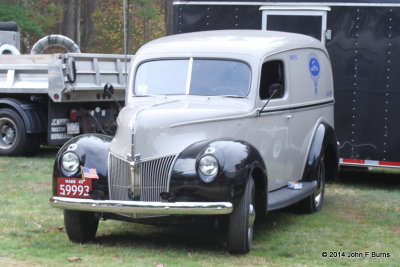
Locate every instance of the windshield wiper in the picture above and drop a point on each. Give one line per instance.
(233, 96)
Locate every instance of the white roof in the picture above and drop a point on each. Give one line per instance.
(256, 43)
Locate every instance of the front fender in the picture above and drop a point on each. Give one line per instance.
(236, 160)
(92, 150)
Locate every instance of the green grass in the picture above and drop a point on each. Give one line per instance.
(361, 214)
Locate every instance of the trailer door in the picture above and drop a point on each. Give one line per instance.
(308, 20)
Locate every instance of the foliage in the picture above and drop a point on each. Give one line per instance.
(22, 17)
(360, 214)
(109, 28)
(101, 29)
(145, 19)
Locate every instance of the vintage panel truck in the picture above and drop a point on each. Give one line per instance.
(218, 124)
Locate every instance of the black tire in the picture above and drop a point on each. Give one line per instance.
(81, 226)
(13, 136)
(314, 202)
(241, 222)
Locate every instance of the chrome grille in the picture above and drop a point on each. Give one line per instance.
(154, 178)
(119, 173)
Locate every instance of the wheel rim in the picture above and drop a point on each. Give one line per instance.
(252, 217)
(8, 133)
(321, 180)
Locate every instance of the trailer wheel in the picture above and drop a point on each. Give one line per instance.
(314, 202)
(81, 226)
(241, 221)
(13, 136)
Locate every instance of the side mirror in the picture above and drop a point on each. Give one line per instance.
(275, 90)
(108, 89)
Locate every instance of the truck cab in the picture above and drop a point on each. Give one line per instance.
(220, 124)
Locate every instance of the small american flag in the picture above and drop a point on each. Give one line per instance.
(89, 173)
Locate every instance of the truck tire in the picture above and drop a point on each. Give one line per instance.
(81, 226)
(241, 222)
(14, 140)
(314, 202)
(13, 136)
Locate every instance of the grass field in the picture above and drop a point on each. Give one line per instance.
(361, 214)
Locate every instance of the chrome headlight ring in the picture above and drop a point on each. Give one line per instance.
(208, 168)
(70, 162)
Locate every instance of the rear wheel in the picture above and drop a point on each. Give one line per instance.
(241, 222)
(314, 202)
(13, 137)
(14, 140)
(81, 226)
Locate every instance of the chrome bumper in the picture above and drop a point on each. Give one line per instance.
(120, 206)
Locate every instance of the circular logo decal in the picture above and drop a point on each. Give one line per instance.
(315, 70)
(314, 66)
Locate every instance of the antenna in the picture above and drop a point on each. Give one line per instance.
(125, 46)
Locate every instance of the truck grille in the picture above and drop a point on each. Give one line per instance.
(153, 179)
(119, 174)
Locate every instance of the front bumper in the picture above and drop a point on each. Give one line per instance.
(120, 206)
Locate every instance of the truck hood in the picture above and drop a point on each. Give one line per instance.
(167, 127)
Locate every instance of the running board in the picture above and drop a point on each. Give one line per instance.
(284, 197)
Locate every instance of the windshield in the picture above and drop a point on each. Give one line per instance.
(209, 77)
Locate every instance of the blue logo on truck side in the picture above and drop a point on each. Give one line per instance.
(315, 69)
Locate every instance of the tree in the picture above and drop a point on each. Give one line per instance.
(28, 27)
(95, 25)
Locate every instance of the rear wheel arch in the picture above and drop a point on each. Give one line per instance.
(324, 144)
(331, 164)
(261, 188)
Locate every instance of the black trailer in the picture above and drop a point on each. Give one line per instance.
(363, 40)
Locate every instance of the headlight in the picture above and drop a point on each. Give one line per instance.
(208, 167)
(70, 162)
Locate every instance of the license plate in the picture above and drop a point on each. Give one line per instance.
(73, 128)
(79, 188)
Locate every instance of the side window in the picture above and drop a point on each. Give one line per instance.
(272, 80)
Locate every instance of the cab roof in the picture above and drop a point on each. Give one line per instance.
(256, 43)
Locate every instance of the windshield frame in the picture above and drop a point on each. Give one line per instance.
(189, 76)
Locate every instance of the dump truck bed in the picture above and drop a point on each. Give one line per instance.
(70, 77)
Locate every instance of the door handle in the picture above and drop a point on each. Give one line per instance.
(289, 116)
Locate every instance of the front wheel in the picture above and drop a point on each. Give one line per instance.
(314, 202)
(241, 222)
(81, 226)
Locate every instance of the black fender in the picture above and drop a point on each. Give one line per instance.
(92, 150)
(34, 117)
(324, 141)
(237, 159)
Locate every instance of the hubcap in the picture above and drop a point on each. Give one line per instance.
(318, 197)
(8, 133)
(252, 217)
(319, 192)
